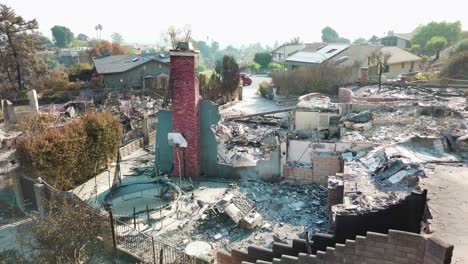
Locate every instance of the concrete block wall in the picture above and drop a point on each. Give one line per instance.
(152, 138)
(131, 147)
(335, 192)
(325, 165)
(302, 175)
(397, 247)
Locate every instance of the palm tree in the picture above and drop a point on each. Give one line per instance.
(98, 29)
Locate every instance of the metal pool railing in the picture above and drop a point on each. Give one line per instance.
(150, 249)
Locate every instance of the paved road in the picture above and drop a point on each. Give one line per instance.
(252, 102)
(448, 201)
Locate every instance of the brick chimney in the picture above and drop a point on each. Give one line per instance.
(185, 108)
(364, 77)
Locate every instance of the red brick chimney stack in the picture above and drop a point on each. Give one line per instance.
(185, 108)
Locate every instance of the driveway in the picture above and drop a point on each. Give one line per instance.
(252, 102)
(448, 202)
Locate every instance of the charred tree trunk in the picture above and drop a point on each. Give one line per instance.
(436, 57)
(18, 69)
(380, 76)
(8, 72)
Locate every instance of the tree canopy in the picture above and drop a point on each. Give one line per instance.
(295, 41)
(117, 38)
(18, 50)
(263, 58)
(360, 41)
(253, 67)
(106, 48)
(452, 32)
(62, 36)
(436, 44)
(43, 39)
(330, 35)
(83, 37)
(228, 71)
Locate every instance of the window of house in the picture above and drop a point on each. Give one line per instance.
(386, 69)
(403, 65)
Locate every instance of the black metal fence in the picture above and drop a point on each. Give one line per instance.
(150, 249)
(27, 189)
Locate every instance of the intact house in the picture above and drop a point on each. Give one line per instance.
(281, 53)
(347, 55)
(402, 41)
(133, 71)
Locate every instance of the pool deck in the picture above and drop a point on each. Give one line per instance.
(92, 189)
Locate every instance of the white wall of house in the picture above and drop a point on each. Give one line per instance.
(302, 151)
(281, 54)
(311, 120)
(394, 41)
(306, 120)
(400, 68)
(402, 43)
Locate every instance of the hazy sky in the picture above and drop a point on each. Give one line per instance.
(241, 21)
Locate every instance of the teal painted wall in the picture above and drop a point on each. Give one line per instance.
(209, 115)
(133, 77)
(164, 152)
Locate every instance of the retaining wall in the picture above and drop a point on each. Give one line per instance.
(136, 144)
(397, 247)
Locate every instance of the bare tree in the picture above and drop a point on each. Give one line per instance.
(175, 35)
(379, 59)
(69, 234)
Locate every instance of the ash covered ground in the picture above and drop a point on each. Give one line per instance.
(286, 210)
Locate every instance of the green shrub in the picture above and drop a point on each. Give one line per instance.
(424, 76)
(79, 68)
(263, 88)
(200, 68)
(457, 67)
(70, 155)
(461, 46)
(253, 67)
(56, 80)
(274, 66)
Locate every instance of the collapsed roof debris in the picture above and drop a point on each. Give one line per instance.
(241, 144)
(396, 123)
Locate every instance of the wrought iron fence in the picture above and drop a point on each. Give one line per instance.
(150, 249)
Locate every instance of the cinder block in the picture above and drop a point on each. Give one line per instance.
(260, 253)
(289, 260)
(224, 258)
(280, 249)
(439, 250)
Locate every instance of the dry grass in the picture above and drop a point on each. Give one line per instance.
(318, 78)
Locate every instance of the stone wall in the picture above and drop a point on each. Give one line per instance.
(397, 247)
